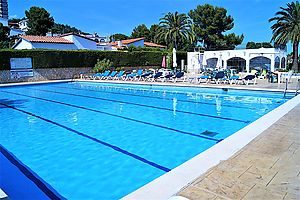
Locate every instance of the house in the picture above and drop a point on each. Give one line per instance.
(137, 42)
(68, 41)
(240, 59)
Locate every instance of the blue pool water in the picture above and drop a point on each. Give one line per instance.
(103, 141)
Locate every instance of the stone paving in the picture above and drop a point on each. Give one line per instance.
(267, 168)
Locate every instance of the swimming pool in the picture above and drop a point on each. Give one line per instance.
(100, 140)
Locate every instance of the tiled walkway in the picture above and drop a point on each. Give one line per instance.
(267, 168)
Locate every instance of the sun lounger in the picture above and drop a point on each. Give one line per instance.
(249, 78)
(145, 75)
(218, 76)
(119, 75)
(111, 75)
(104, 74)
(132, 76)
(204, 77)
(154, 77)
(231, 80)
(94, 76)
(177, 76)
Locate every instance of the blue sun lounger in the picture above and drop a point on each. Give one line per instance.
(111, 75)
(132, 76)
(104, 74)
(119, 75)
(154, 77)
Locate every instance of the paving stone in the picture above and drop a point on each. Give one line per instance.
(261, 192)
(236, 191)
(196, 193)
(267, 168)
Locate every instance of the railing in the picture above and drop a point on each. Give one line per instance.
(290, 73)
(298, 87)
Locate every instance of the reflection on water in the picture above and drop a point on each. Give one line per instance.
(12, 103)
(218, 105)
(174, 106)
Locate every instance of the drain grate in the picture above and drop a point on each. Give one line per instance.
(209, 133)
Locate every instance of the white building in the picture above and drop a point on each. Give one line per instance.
(64, 42)
(137, 42)
(244, 59)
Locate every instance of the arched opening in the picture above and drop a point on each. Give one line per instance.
(259, 63)
(212, 63)
(277, 62)
(237, 63)
(283, 63)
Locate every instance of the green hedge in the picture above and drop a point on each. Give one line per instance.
(80, 58)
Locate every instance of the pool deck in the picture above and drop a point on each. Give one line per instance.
(267, 168)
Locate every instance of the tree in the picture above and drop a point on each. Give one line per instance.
(118, 36)
(140, 31)
(287, 28)
(39, 21)
(257, 45)
(210, 23)
(176, 30)
(4, 33)
(154, 29)
(64, 28)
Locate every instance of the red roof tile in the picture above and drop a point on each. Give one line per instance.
(46, 39)
(129, 41)
(126, 42)
(150, 44)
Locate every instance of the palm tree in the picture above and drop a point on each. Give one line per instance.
(175, 29)
(287, 28)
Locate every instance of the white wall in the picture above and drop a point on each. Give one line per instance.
(139, 43)
(24, 45)
(54, 46)
(246, 54)
(82, 43)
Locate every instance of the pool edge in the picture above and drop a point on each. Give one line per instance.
(170, 183)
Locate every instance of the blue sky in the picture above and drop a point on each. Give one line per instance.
(119, 16)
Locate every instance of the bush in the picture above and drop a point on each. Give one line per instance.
(80, 58)
(102, 65)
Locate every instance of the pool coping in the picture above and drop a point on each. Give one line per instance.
(182, 175)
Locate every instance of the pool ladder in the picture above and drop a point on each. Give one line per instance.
(298, 87)
(287, 79)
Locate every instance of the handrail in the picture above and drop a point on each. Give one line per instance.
(287, 79)
(298, 87)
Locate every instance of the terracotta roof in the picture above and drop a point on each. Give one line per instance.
(46, 39)
(129, 41)
(126, 42)
(150, 44)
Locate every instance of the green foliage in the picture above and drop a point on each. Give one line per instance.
(210, 22)
(102, 65)
(118, 37)
(80, 58)
(256, 45)
(132, 48)
(175, 29)
(140, 31)
(287, 29)
(4, 33)
(39, 21)
(64, 28)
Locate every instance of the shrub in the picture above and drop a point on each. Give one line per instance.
(42, 58)
(102, 65)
